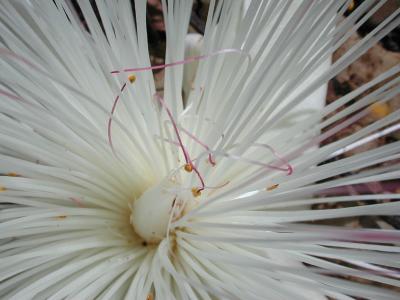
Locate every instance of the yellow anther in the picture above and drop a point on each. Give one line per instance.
(196, 192)
(351, 6)
(150, 297)
(188, 168)
(380, 110)
(2, 188)
(132, 78)
(61, 217)
(12, 174)
(272, 187)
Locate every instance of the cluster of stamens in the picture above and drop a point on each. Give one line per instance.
(189, 165)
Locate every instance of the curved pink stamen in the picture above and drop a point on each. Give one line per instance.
(180, 62)
(210, 158)
(283, 160)
(164, 105)
(112, 112)
(185, 153)
(288, 169)
(200, 178)
(163, 66)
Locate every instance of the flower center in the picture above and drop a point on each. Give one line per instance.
(153, 210)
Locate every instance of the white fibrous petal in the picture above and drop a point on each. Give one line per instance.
(110, 189)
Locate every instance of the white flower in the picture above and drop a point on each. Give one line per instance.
(81, 219)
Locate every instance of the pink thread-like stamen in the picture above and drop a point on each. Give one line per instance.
(192, 160)
(164, 66)
(185, 153)
(251, 161)
(278, 156)
(164, 105)
(180, 62)
(288, 169)
(112, 112)
(210, 158)
(203, 185)
(284, 161)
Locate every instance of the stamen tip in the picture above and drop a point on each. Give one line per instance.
(212, 162)
(132, 78)
(150, 297)
(272, 187)
(196, 192)
(12, 174)
(188, 168)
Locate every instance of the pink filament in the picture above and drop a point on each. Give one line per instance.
(177, 63)
(288, 169)
(163, 66)
(185, 153)
(254, 162)
(200, 178)
(279, 157)
(112, 112)
(210, 158)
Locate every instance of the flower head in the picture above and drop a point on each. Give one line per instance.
(113, 190)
